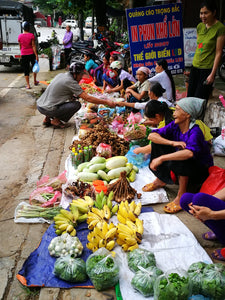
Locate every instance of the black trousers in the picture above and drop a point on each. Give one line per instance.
(67, 52)
(196, 87)
(192, 168)
(26, 61)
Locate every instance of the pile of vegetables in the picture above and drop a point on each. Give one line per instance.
(101, 134)
(65, 245)
(32, 211)
(172, 287)
(143, 280)
(108, 170)
(140, 258)
(195, 273)
(70, 269)
(102, 269)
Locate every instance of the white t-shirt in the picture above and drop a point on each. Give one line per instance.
(165, 82)
(139, 105)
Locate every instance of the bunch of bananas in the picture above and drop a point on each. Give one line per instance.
(129, 228)
(103, 235)
(102, 199)
(66, 220)
(96, 216)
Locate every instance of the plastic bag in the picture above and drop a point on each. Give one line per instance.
(117, 125)
(144, 279)
(55, 182)
(172, 286)
(102, 269)
(214, 182)
(219, 144)
(140, 258)
(36, 67)
(213, 283)
(139, 160)
(70, 269)
(134, 118)
(195, 273)
(104, 150)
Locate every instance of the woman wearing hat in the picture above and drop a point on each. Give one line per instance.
(180, 149)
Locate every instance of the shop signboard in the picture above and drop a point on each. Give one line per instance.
(156, 32)
(190, 44)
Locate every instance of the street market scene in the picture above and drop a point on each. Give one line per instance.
(112, 150)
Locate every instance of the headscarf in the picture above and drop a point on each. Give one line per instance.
(145, 70)
(193, 106)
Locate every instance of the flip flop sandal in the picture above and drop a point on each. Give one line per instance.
(36, 83)
(150, 187)
(218, 254)
(209, 236)
(27, 87)
(172, 208)
(59, 126)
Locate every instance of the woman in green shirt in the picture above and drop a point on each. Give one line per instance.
(210, 43)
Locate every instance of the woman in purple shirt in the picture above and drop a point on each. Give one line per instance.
(179, 149)
(67, 42)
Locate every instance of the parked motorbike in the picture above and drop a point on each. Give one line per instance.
(221, 69)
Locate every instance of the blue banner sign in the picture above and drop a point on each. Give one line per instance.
(155, 33)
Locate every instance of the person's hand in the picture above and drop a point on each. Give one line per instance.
(37, 59)
(121, 103)
(111, 103)
(155, 163)
(201, 213)
(179, 145)
(210, 79)
(137, 150)
(109, 91)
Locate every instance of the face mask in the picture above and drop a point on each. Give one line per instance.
(111, 74)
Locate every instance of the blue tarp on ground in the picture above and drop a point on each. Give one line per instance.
(39, 266)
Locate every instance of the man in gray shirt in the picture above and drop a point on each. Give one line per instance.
(58, 103)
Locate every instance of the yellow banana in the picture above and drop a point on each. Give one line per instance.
(105, 228)
(106, 212)
(90, 246)
(139, 225)
(98, 212)
(110, 234)
(83, 209)
(92, 216)
(125, 247)
(130, 241)
(89, 200)
(111, 225)
(123, 236)
(92, 224)
(74, 210)
(60, 217)
(133, 247)
(73, 233)
(67, 214)
(125, 228)
(69, 228)
(110, 245)
(98, 232)
(123, 211)
(80, 202)
(137, 210)
(132, 206)
(131, 225)
(119, 242)
(63, 227)
(126, 204)
(121, 219)
(102, 243)
(58, 223)
(131, 216)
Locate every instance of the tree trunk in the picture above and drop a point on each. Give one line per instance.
(100, 10)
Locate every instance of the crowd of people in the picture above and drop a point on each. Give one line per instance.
(180, 142)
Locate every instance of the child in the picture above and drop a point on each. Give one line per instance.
(109, 78)
(101, 70)
(124, 78)
(90, 65)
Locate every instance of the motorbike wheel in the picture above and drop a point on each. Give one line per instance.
(221, 71)
(77, 57)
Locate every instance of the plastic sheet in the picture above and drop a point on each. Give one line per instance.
(173, 244)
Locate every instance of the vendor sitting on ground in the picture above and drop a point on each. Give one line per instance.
(180, 147)
(124, 78)
(90, 65)
(155, 93)
(101, 70)
(138, 92)
(58, 103)
(211, 211)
